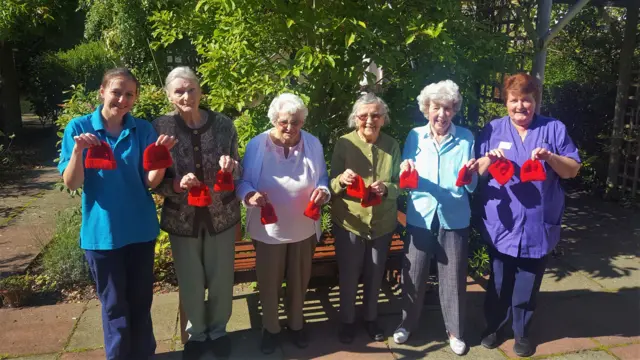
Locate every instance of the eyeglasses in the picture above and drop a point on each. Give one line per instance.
(374, 116)
(293, 123)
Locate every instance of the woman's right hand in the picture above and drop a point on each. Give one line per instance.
(407, 165)
(495, 154)
(187, 182)
(256, 198)
(85, 141)
(347, 177)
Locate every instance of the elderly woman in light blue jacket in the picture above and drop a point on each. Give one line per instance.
(439, 205)
(285, 171)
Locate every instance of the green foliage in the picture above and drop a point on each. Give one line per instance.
(16, 283)
(80, 102)
(63, 260)
(151, 103)
(479, 256)
(122, 26)
(252, 50)
(163, 261)
(16, 15)
(53, 73)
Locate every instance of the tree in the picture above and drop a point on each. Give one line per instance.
(123, 27)
(18, 18)
(251, 50)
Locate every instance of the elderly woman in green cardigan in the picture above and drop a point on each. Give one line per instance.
(364, 182)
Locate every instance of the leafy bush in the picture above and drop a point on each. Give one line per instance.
(63, 260)
(16, 283)
(163, 261)
(53, 73)
(151, 103)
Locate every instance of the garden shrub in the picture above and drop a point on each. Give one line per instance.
(63, 260)
(53, 73)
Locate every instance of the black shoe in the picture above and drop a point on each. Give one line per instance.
(347, 333)
(299, 338)
(490, 341)
(193, 350)
(221, 347)
(523, 347)
(269, 342)
(375, 332)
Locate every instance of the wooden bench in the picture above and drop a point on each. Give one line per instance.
(324, 270)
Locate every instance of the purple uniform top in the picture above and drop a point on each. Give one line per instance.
(522, 219)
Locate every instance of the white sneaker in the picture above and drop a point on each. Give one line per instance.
(458, 346)
(401, 335)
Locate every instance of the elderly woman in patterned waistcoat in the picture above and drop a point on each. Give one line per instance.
(202, 238)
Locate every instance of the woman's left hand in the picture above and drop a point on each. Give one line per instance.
(379, 188)
(227, 164)
(319, 196)
(167, 141)
(541, 154)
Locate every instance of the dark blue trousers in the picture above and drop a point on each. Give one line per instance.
(514, 284)
(124, 284)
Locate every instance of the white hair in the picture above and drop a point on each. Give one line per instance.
(181, 72)
(288, 103)
(441, 92)
(366, 99)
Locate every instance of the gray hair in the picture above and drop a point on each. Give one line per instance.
(443, 91)
(366, 99)
(181, 72)
(289, 103)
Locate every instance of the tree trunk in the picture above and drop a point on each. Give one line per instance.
(624, 79)
(10, 115)
(540, 56)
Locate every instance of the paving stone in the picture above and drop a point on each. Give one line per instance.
(621, 271)
(561, 279)
(629, 352)
(84, 355)
(607, 327)
(164, 313)
(241, 313)
(164, 351)
(38, 357)
(584, 355)
(245, 344)
(324, 344)
(429, 340)
(37, 330)
(88, 333)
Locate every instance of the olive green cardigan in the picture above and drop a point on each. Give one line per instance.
(373, 162)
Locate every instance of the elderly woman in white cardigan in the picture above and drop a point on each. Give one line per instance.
(285, 171)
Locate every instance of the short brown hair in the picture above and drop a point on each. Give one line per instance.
(119, 72)
(521, 84)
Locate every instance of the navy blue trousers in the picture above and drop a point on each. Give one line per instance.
(124, 284)
(514, 284)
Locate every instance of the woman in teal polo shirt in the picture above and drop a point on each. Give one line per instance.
(438, 212)
(119, 221)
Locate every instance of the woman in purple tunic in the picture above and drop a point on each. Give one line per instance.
(521, 218)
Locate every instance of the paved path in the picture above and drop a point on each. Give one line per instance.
(28, 211)
(589, 309)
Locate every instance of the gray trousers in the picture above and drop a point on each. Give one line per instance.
(357, 255)
(205, 261)
(450, 248)
(273, 261)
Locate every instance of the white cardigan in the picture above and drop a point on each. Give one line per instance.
(252, 167)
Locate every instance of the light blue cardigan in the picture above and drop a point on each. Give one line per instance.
(438, 170)
(252, 167)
